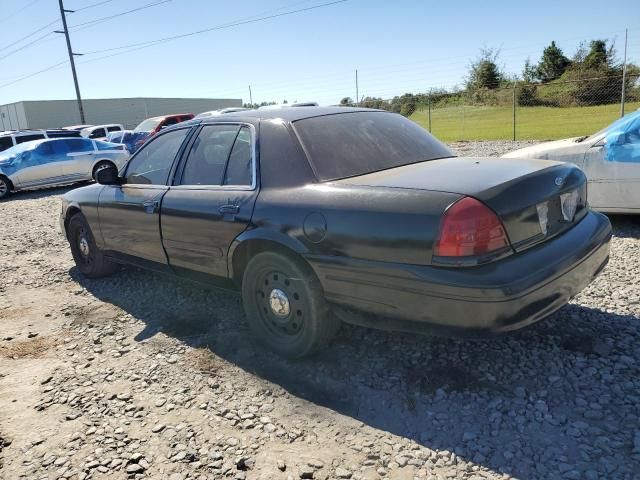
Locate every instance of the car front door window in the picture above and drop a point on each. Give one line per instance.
(152, 163)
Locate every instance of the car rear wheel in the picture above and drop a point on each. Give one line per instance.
(101, 166)
(285, 306)
(88, 257)
(5, 187)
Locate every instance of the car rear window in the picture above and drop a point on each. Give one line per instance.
(356, 143)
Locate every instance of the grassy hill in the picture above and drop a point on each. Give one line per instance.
(532, 123)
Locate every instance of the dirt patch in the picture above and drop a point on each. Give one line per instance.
(32, 348)
(205, 361)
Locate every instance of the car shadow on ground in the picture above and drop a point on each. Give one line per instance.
(470, 397)
(42, 192)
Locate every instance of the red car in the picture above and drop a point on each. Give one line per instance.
(153, 125)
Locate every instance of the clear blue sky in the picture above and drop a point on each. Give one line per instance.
(397, 46)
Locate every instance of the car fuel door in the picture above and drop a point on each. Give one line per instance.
(212, 199)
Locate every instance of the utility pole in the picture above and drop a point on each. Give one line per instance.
(514, 110)
(624, 73)
(250, 96)
(71, 60)
(357, 93)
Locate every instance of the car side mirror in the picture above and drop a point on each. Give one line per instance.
(108, 176)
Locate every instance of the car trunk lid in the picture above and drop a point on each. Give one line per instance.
(527, 194)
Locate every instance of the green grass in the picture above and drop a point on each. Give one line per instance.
(532, 123)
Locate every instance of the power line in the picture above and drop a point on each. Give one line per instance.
(91, 23)
(30, 35)
(217, 27)
(88, 24)
(33, 74)
(76, 10)
(37, 40)
(20, 10)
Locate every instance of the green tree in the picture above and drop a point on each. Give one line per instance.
(346, 102)
(600, 56)
(552, 64)
(484, 72)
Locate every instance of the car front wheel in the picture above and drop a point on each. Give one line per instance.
(5, 188)
(88, 257)
(285, 306)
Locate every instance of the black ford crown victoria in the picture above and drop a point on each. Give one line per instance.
(321, 214)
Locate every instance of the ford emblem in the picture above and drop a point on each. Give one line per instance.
(559, 181)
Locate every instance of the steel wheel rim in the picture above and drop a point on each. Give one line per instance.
(280, 306)
(84, 246)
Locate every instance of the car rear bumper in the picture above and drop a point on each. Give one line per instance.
(476, 301)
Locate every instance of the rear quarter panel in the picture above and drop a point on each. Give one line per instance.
(380, 224)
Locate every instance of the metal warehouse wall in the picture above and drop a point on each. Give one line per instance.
(12, 116)
(127, 111)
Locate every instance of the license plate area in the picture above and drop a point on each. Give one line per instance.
(560, 212)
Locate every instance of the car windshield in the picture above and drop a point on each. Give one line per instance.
(627, 118)
(148, 125)
(356, 143)
(115, 137)
(21, 147)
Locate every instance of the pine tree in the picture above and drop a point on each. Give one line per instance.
(552, 64)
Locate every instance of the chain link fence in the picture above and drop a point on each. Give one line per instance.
(521, 110)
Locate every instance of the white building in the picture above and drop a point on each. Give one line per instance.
(126, 111)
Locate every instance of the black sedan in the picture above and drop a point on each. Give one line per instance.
(325, 214)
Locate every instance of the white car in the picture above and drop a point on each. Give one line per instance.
(59, 161)
(11, 138)
(610, 158)
(214, 113)
(287, 105)
(100, 132)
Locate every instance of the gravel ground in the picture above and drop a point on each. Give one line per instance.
(144, 376)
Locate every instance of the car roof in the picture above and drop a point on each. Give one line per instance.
(288, 114)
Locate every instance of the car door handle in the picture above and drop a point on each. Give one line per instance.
(229, 209)
(150, 206)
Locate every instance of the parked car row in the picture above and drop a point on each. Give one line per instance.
(11, 138)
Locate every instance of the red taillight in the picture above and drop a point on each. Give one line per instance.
(469, 228)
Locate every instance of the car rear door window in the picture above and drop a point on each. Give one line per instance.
(78, 144)
(5, 142)
(152, 163)
(115, 128)
(98, 133)
(28, 138)
(239, 168)
(209, 154)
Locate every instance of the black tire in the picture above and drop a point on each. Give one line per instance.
(100, 165)
(5, 187)
(88, 257)
(308, 324)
